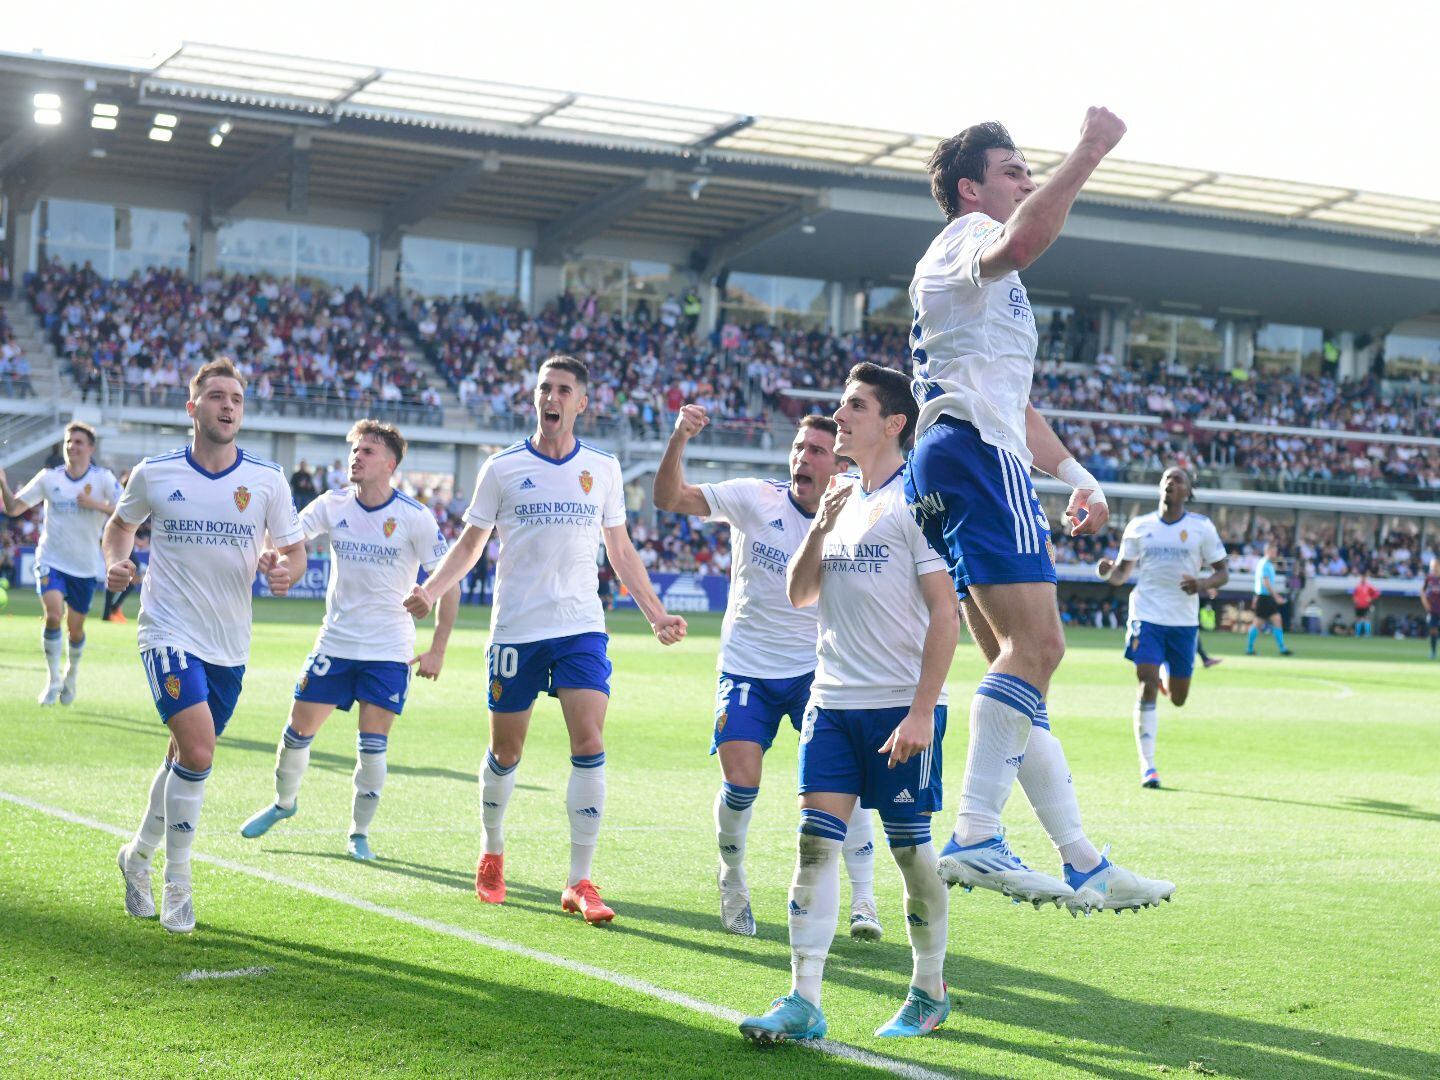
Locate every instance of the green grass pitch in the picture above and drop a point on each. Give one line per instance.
(1301, 821)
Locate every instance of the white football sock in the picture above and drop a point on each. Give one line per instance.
(151, 833)
(860, 854)
(292, 758)
(369, 779)
(734, 805)
(1045, 776)
(1000, 715)
(497, 783)
(927, 908)
(814, 900)
(53, 644)
(74, 651)
(184, 795)
(585, 800)
(1147, 728)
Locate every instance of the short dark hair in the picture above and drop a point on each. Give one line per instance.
(962, 157)
(824, 423)
(388, 434)
(561, 362)
(81, 426)
(219, 368)
(892, 389)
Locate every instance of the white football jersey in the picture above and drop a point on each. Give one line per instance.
(548, 514)
(376, 553)
(206, 535)
(70, 538)
(1164, 552)
(973, 339)
(762, 635)
(873, 617)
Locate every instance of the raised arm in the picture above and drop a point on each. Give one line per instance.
(13, 506)
(1038, 221)
(671, 491)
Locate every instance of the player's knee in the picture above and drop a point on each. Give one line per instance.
(587, 745)
(507, 757)
(196, 758)
(1048, 648)
(1179, 696)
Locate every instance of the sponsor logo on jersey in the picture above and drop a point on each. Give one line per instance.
(176, 496)
(172, 686)
(904, 796)
(875, 512)
(342, 524)
(242, 497)
(527, 484)
(389, 527)
(777, 525)
(586, 481)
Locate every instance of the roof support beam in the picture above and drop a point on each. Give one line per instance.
(299, 200)
(594, 217)
(433, 196)
(716, 256)
(19, 146)
(32, 175)
(250, 177)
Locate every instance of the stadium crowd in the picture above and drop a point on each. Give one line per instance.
(317, 350)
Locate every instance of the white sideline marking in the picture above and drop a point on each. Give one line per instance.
(672, 997)
(238, 973)
(1344, 690)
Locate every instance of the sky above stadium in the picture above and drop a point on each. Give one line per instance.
(1271, 89)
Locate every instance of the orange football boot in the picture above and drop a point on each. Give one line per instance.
(490, 879)
(584, 899)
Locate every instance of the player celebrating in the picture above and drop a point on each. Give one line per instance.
(1170, 547)
(968, 483)
(872, 730)
(78, 497)
(767, 648)
(551, 498)
(1430, 601)
(1268, 598)
(379, 540)
(211, 506)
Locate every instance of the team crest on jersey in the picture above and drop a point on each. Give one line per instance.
(87, 489)
(875, 512)
(586, 481)
(172, 686)
(242, 497)
(1184, 536)
(389, 527)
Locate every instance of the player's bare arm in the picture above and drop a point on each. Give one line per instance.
(1050, 456)
(1039, 219)
(282, 567)
(917, 730)
(458, 561)
(13, 506)
(671, 492)
(117, 543)
(1114, 573)
(669, 629)
(1218, 576)
(802, 576)
(433, 659)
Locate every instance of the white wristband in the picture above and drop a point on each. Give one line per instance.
(1077, 476)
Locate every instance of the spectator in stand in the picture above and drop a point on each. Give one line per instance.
(302, 486)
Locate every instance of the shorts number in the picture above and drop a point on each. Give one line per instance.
(722, 692)
(504, 661)
(807, 724)
(319, 665)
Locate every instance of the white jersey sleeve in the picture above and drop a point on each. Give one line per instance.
(428, 544)
(281, 520)
(732, 500)
(314, 519)
(615, 498)
(33, 493)
(1212, 549)
(962, 248)
(134, 505)
(1130, 547)
(873, 616)
(484, 508)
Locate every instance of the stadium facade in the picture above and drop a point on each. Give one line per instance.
(238, 161)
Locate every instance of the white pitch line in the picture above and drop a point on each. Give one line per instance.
(238, 973)
(639, 986)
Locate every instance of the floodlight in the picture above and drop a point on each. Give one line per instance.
(160, 134)
(166, 120)
(46, 101)
(47, 117)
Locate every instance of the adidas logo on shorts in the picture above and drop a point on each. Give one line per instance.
(175, 496)
(904, 796)
(778, 525)
(527, 484)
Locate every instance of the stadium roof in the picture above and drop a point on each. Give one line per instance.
(275, 89)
